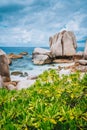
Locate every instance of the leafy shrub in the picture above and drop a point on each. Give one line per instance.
(52, 103)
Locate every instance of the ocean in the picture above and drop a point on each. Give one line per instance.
(26, 64)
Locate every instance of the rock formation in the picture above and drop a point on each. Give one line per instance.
(63, 44)
(4, 67)
(41, 56)
(85, 51)
(14, 56)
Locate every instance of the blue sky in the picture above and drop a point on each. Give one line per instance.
(32, 22)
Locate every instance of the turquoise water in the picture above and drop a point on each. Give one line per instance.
(26, 64)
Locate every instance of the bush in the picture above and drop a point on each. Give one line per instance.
(52, 103)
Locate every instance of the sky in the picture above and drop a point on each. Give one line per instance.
(32, 22)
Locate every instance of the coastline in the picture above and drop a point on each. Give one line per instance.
(37, 70)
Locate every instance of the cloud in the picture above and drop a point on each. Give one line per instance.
(32, 22)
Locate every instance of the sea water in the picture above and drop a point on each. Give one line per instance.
(26, 64)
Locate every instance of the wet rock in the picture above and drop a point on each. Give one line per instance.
(23, 53)
(4, 67)
(15, 73)
(14, 56)
(25, 74)
(19, 73)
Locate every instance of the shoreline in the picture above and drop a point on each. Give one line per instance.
(37, 70)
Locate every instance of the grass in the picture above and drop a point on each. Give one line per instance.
(52, 103)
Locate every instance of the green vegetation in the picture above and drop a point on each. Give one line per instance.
(53, 103)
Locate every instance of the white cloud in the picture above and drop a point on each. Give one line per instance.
(38, 20)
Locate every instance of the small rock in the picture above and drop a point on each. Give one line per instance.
(11, 87)
(14, 56)
(23, 53)
(15, 73)
(25, 74)
(82, 62)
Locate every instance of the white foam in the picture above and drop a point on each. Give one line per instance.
(38, 70)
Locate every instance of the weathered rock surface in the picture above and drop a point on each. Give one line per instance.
(4, 67)
(11, 87)
(14, 56)
(82, 62)
(9, 61)
(85, 51)
(78, 55)
(24, 84)
(63, 44)
(62, 61)
(77, 67)
(1, 82)
(41, 59)
(41, 51)
(41, 56)
(16, 73)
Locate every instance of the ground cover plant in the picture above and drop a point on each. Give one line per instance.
(52, 103)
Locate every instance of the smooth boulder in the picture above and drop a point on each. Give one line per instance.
(82, 62)
(4, 67)
(41, 56)
(63, 44)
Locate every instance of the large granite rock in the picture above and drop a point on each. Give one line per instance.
(85, 51)
(4, 67)
(63, 44)
(41, 56)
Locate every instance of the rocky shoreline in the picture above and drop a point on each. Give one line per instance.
(62, 51)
